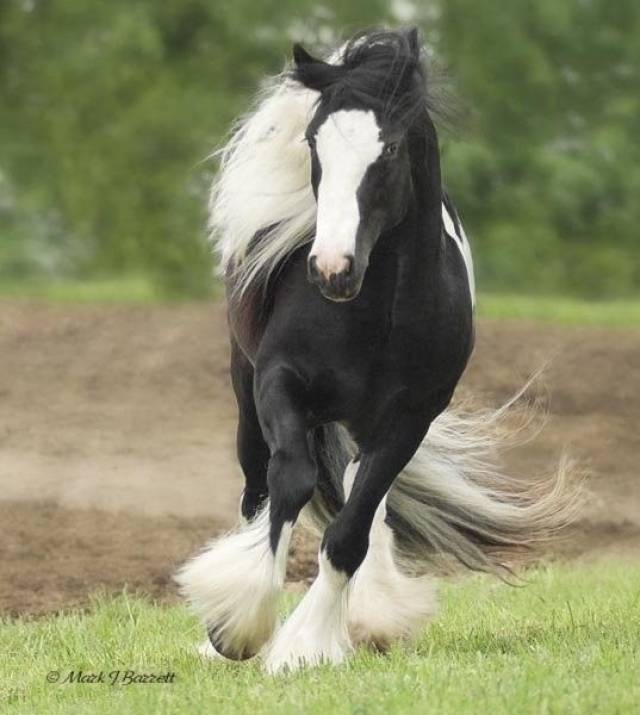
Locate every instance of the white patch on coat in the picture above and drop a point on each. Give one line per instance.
(316, 632)
(347, 142)
(385, 604)
(234, 583)
(460, 239)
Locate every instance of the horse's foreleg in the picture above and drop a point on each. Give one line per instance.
(385, 603)
(235, 583)
(317, 630)
(293, 473)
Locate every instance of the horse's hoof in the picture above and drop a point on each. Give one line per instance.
(221, 648)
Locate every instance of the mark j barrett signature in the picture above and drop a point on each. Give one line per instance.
(113, 677)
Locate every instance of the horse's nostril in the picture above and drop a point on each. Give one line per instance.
(349, 268)
(334, 275)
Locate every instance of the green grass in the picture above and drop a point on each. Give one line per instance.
(129, 289)
(557, 309)
(138, 289)
(569, 642)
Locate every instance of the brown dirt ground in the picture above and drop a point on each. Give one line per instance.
(117, 441)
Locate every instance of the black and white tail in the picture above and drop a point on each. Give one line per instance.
(453, 499)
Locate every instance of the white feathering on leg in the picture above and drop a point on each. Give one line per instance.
(234, 583)
(384, 603)
(316, 632)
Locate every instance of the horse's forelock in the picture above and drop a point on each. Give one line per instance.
(380, 69)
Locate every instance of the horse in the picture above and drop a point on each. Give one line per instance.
(351, 302)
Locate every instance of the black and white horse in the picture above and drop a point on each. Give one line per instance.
(351, 299)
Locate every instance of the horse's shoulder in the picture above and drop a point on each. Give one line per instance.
(454, 230)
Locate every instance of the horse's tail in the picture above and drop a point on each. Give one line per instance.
(453, 498)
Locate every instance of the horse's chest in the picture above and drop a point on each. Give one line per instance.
(352, 376)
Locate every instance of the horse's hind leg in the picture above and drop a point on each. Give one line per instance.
(253, 452)
(235, 583)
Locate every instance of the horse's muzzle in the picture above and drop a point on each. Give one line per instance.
(337, 286)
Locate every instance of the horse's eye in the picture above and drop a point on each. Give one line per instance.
(390, 150)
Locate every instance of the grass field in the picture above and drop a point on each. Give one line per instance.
(568, 642)
(560, 309)
(130, 289)
(137, 289)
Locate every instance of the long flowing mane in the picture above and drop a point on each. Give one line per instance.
(262, 205)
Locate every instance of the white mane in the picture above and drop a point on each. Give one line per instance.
(263, 184)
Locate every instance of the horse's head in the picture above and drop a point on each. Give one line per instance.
(360, 163)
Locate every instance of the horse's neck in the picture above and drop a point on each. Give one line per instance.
(420, 248)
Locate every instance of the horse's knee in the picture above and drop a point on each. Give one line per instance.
(345, 546)
(292, 480)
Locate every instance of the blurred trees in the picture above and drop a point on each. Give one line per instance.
(549, 173)
(107, 111)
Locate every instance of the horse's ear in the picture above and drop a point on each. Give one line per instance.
(413, 38)
(301, 56)
(314, 73)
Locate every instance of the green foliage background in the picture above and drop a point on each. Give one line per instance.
(108, 111)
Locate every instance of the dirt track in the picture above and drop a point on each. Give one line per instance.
(117, 437)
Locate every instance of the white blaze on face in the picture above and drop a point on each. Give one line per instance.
(347, 143)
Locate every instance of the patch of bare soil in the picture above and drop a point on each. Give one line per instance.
(54, 558)
(117, 441)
